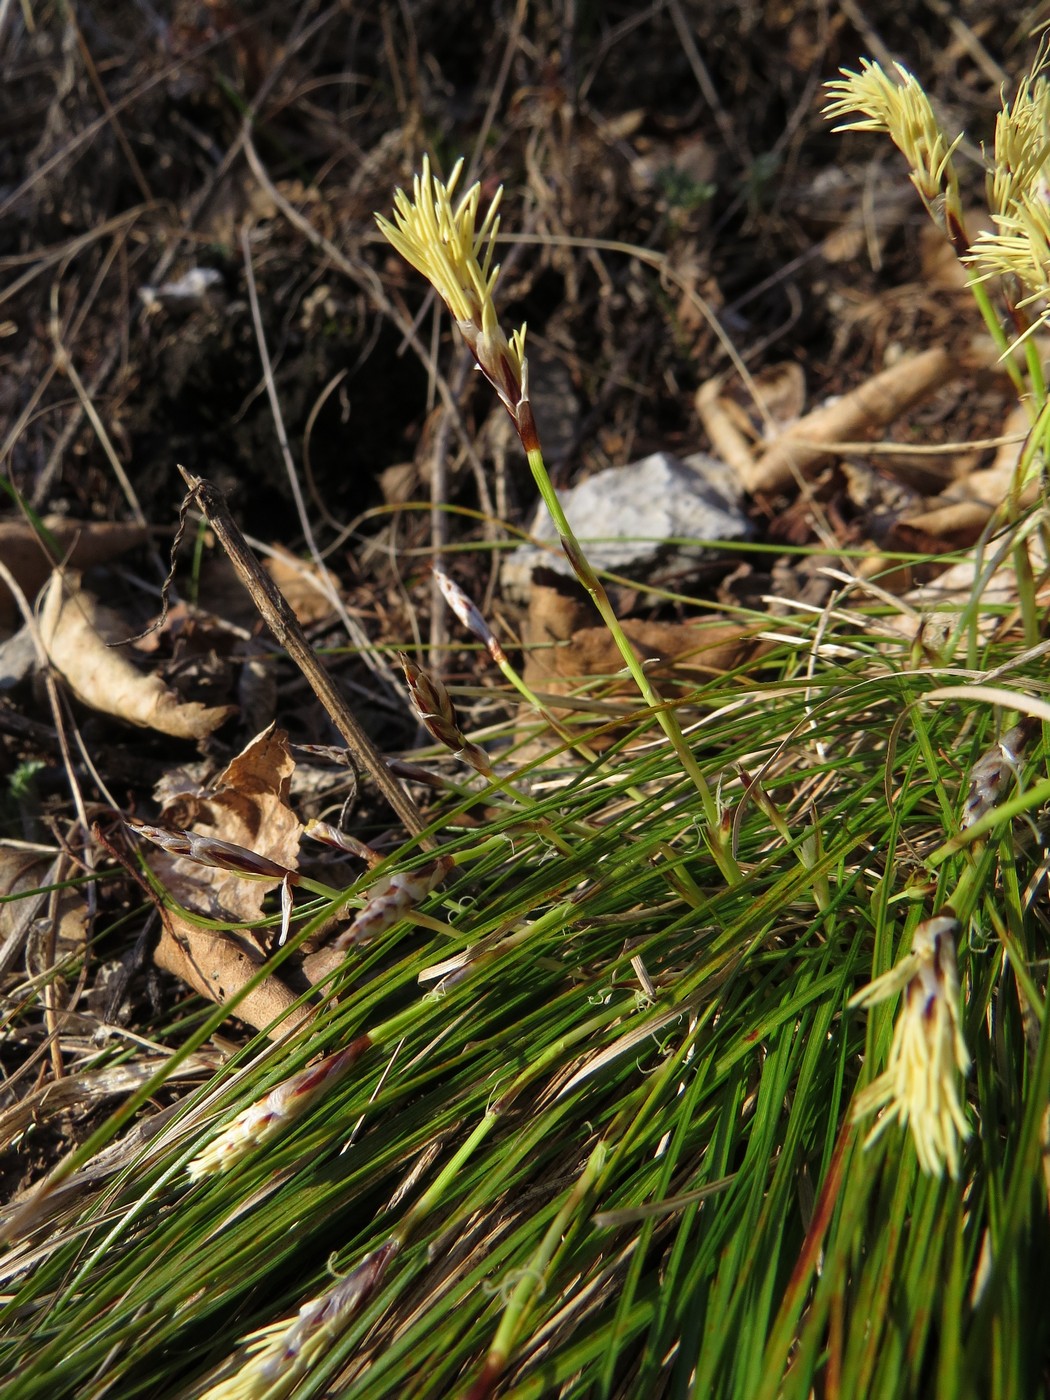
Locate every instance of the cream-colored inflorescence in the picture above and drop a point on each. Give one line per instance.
(277, 1357)
(391, 899)
(273, 1113)
(919, 1087)
(1022, 148)
(900, 108)
(443, 241)
(1018, 191)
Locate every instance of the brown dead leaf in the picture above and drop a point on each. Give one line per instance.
(75, 628)
(45, 926)
(247, 805)
(308, 589)
(692, 651)
(83, 543)
(24, 870)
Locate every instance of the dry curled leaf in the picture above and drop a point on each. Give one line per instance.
(77, 629)
(307, 588)
(246, 805)
(564, 649)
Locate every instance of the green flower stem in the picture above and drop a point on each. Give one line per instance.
(1026, 594)
(434, 1193)
(531, 1278)
(1036, 377)
(999, 336)
(572, 741)
(1034, 447)
(530, 697)
(667, 719)
(1011, 507)
(542, 824)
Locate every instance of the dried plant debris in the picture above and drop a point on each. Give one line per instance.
(30, 550)
(509, 1084)
(81, 636)
(243, 842)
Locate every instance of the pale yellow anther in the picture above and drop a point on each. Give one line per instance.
(918, 1087)
(454, 253)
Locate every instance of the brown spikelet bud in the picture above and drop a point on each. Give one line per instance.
(526, 424)
(210, 850)
(992, 771)
(433, 705)
(270, 1115)
(437, 714)
(330, 835)
(338, 1305)
(279, 1356)
(470, 615)
(391, 898)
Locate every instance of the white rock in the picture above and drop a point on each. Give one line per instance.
(625, 516)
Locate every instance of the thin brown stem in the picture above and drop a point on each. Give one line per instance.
(282, 622)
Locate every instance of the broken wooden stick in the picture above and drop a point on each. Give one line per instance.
(810, 441)
(288, 633)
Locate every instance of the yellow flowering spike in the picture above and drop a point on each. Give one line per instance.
(918, 1087)
(902, 110)
(276, 1358)
(1022, 147)
(270, 1115)
(1019, 247)
(444, 242)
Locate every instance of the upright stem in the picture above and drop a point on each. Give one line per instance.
(999, 336)
(666, 717)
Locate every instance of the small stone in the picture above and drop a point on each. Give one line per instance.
(624, 518)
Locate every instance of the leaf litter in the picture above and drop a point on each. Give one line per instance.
(863, 468)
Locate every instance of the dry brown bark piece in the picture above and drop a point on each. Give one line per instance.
(801, 448)
(217, 965)
(76, 630)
